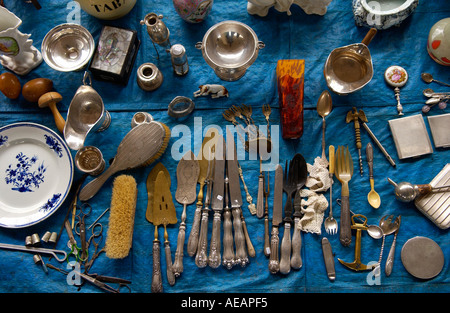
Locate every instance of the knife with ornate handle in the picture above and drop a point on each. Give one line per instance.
(236, 200)
(214, 258)
(277, 217)
(201, 259)
(228, 249)
(202, 158)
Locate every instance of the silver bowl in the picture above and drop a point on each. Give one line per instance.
(67, 47)
(230, 47)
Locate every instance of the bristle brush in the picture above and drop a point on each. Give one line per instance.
(142, 145)
(121, 219)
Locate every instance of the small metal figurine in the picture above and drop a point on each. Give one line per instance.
(216, 91)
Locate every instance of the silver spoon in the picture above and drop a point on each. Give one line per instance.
(374, 231)
(324, 107)
(428, 78)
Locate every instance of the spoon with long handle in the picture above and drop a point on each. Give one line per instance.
(428, 78)
(390, 259)
(373, 197)
(324, 107)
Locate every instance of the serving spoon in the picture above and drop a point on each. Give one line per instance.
(428, 78)
(324, 107)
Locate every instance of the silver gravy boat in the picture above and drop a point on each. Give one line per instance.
(86, 114)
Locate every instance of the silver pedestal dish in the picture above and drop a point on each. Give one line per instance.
(230, 47)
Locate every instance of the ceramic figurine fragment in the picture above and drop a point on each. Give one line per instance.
(396, 76)
(17, 52)
(290, 82)
(382, 14)
(193, 11)
(439, 42)
(261, 7)
(213, 90)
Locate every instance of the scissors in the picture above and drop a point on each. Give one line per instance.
(81, 254)
(96, 238)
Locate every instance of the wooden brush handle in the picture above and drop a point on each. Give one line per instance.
(157, 286)
(214, 247)
(94, 186)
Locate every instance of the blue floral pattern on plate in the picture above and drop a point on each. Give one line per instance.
(3, 140)
(54, 145)
(36, 173)
(22, 177)
(50, 203)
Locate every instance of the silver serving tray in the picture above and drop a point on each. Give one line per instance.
(410, 136)
(436, 206)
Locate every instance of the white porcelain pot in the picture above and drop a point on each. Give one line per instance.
(382, 14)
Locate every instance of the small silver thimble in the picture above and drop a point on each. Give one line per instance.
(179, 59)
(46, 236)
(35, 240)
(53, 237)
(141, 117)
(28, 241)
(90, 160)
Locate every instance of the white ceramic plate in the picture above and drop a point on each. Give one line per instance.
(36, 173)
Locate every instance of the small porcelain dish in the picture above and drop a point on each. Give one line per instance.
(382, 14)
(36, 173)
(67, 47)
(230, 47)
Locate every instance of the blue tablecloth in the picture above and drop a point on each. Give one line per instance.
(299, 36)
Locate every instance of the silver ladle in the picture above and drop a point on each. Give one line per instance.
(428, 78)
(407, 192)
